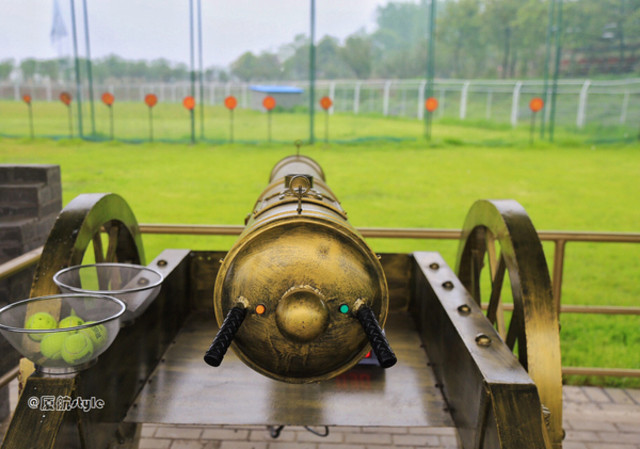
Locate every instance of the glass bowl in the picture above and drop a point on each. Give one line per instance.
(135, 285)
(62, 333)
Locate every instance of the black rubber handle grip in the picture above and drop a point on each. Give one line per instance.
(225, 335)
(378, 341)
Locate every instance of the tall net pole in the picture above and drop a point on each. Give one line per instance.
(201, 70)
(77, 66)
(193, 70)
(554, 92)
(431, 55)
(89, 67)
(547, 56)
(312, 72)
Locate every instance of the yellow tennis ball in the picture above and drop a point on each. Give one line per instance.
(51, 345)
(77, 348)
(40, 320)
(97, 334)
(70, 321)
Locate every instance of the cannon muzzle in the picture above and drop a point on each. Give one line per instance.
(308, 281)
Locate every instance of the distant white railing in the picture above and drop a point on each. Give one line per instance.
(579, 102)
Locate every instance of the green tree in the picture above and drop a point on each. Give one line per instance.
(457, 31)
(402, 25)
(329, 64)
(356, 53)
(160, 70)
(49, 68)
(28, 68)
(268, 67)
(6, 67)
(596, 31)
(500, 26)
(296, 58)
(531, 22)
(245, 66)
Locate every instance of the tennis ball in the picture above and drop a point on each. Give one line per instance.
(40, 320)
(97, 334)
(70, 321)
(77, 348)
(51, 345)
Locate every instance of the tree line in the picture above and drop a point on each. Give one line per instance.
(108, 69)
(473, 39)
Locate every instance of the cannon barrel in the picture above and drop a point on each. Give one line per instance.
(304, 294)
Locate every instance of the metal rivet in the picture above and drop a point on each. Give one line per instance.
(434, 266)
(483, 340)
(464, 309)
(143, 281)
(162, 263)
(447, 285)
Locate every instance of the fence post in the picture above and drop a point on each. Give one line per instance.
(625, 106)
(463, 99)
(514, 103)
(332, 95)
(421, 99)
(489, 101)
(443, 94)
(356, 98)
(244, 96)
(49, 95)
(385, 98)
(581, 119)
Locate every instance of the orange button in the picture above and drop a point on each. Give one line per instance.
(260, 309)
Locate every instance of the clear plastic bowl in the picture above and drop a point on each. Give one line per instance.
(137, 286)
(90, 324)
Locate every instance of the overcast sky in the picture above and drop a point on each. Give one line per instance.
(149, 29)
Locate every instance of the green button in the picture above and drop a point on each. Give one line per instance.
(344, 308)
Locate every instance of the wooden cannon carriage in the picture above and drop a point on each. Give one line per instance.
(494, 375)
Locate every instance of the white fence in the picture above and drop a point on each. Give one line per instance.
(578, 103)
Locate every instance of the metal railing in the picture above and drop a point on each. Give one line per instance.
(560, 239)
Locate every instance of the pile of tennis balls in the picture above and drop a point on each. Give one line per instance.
(74, 347)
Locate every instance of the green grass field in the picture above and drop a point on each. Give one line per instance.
(568, 185)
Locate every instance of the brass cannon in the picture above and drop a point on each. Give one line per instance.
(301, 298)
(303, 275)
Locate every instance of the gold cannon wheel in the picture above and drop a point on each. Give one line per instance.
(500, 235)
(80, 225)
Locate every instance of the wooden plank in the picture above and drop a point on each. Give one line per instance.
(37, 422)
(184, 390)
(493, 401)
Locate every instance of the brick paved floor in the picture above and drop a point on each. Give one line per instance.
(594, 418)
